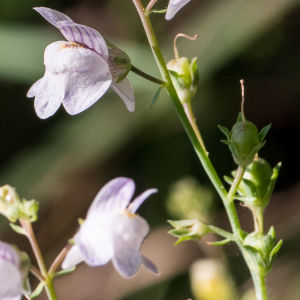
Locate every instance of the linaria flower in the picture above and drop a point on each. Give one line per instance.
(112, 231)
(13, 277)
(80, 71)
(174, 6)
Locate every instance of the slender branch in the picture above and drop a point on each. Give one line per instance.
(150, 5)
(39, 258)
(36, 273)
(59, 259)
(147, 76)
(221, 232)
(189, 112)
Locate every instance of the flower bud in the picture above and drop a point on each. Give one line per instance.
(14, 266)
(9, 203)
(188, 230)
(264, 247)
(13, 208)
(184, 75)
(258, 183)
(244, 141)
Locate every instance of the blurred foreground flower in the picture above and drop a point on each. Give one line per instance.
(112, 231)
(174, 6)
(80, 71)
(14, 268)
(210, 280)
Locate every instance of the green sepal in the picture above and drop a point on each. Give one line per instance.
(264, 132)
(80, 221)
(64, 272)
(245, 199)
(228, 180)
(271, 232)
(37, 290)
(250, 187)
(228, 143)
(18, 229)
(275, 250)
(273, 180)
(225, 131)
(194, 72)
(257, 255)
(239, 118)
(182, 239)
(219, 243)
(156, 96)
(179, 232)
(178, 80)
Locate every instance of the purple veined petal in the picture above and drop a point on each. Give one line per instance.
(128, 236)
(49, 94)
(174, 6)
(52, 16)
(12, 298)
(73, 258)
(114, 196)
(85, 35)
(94, 239)
(135, 204)
(87, 83)
(149, 265)
(74, 32)
(125, 91)
(32, 91)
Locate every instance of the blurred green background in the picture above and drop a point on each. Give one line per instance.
(63, 161)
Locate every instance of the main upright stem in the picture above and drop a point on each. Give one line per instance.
(227, 198)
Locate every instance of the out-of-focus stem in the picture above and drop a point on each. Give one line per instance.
(59, 259)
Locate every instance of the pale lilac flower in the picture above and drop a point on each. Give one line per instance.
(174, 6)
(13, 280)
(112, 231)
(78, 72)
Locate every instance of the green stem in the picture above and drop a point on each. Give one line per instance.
(189, 112)
(146, 76)
(206, 163)
(39, 258)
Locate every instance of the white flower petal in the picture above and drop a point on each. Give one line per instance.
(129, 233)
(149, 265)
(174, 6)
(125, 91)
(114, 196)
(73, 258)
(94, 239)
(49, 94)
(135, 204)
(10, 274)
(32, 91)
(74, 32)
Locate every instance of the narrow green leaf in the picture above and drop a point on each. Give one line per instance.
(37, 291)
(18, 229)
(155, 98)
(275, 250)
(228, 179)
(219, 243)
(64, 272)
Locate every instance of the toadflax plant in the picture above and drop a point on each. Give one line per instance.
(78, 72)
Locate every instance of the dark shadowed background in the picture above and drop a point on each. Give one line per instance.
(63, 161)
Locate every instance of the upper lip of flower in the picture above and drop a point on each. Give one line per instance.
(50, 92)
(112, 230)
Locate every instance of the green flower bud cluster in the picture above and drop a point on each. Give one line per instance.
(13, 208)
(263, 247)
(185, 77)
(244, 141)
(258, 183)
(189, 230)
